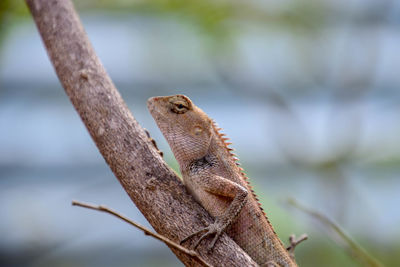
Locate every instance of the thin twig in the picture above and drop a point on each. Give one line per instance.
(354, 249)
(294, 242)
(146, 231)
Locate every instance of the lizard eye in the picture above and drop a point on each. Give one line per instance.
(179, 107)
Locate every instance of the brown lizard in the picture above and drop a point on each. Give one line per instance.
(211, 173)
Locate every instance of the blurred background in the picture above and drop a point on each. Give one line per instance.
(307, 91)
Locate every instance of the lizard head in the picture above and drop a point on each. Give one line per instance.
(186, 127)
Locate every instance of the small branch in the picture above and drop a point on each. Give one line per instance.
(354, 249)
(294, 243)
(146, 231)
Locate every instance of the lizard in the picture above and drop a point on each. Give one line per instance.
(212, 174)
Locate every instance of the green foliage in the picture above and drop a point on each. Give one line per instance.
(217, 21)
(220, 19)
(350, 246)
(10, 12)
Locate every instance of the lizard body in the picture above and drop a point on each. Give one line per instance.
(213, 176)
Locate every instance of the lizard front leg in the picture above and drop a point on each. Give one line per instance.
(218, 186)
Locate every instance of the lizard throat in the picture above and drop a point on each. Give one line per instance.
(203, 163)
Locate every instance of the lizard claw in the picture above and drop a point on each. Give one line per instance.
(217, 235)
(202, 237)
(213, 229)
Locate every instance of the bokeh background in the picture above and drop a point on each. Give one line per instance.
(307, 90)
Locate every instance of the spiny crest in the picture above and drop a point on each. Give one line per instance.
(224, 139)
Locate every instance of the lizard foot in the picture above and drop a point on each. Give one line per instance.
(215, 229)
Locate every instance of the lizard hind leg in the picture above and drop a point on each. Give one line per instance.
(221, 187)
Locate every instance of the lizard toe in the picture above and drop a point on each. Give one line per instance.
(191, 235)
(210, 231)
(217, 235)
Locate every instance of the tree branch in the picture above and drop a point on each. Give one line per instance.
(149, 182)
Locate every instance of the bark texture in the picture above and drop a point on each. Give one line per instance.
(150, 183)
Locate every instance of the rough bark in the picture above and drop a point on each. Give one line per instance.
(150, 183)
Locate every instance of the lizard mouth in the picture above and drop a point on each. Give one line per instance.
(151, 105)
(150, 102)
(155, 110)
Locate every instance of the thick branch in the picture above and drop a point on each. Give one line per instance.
(149, 182)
